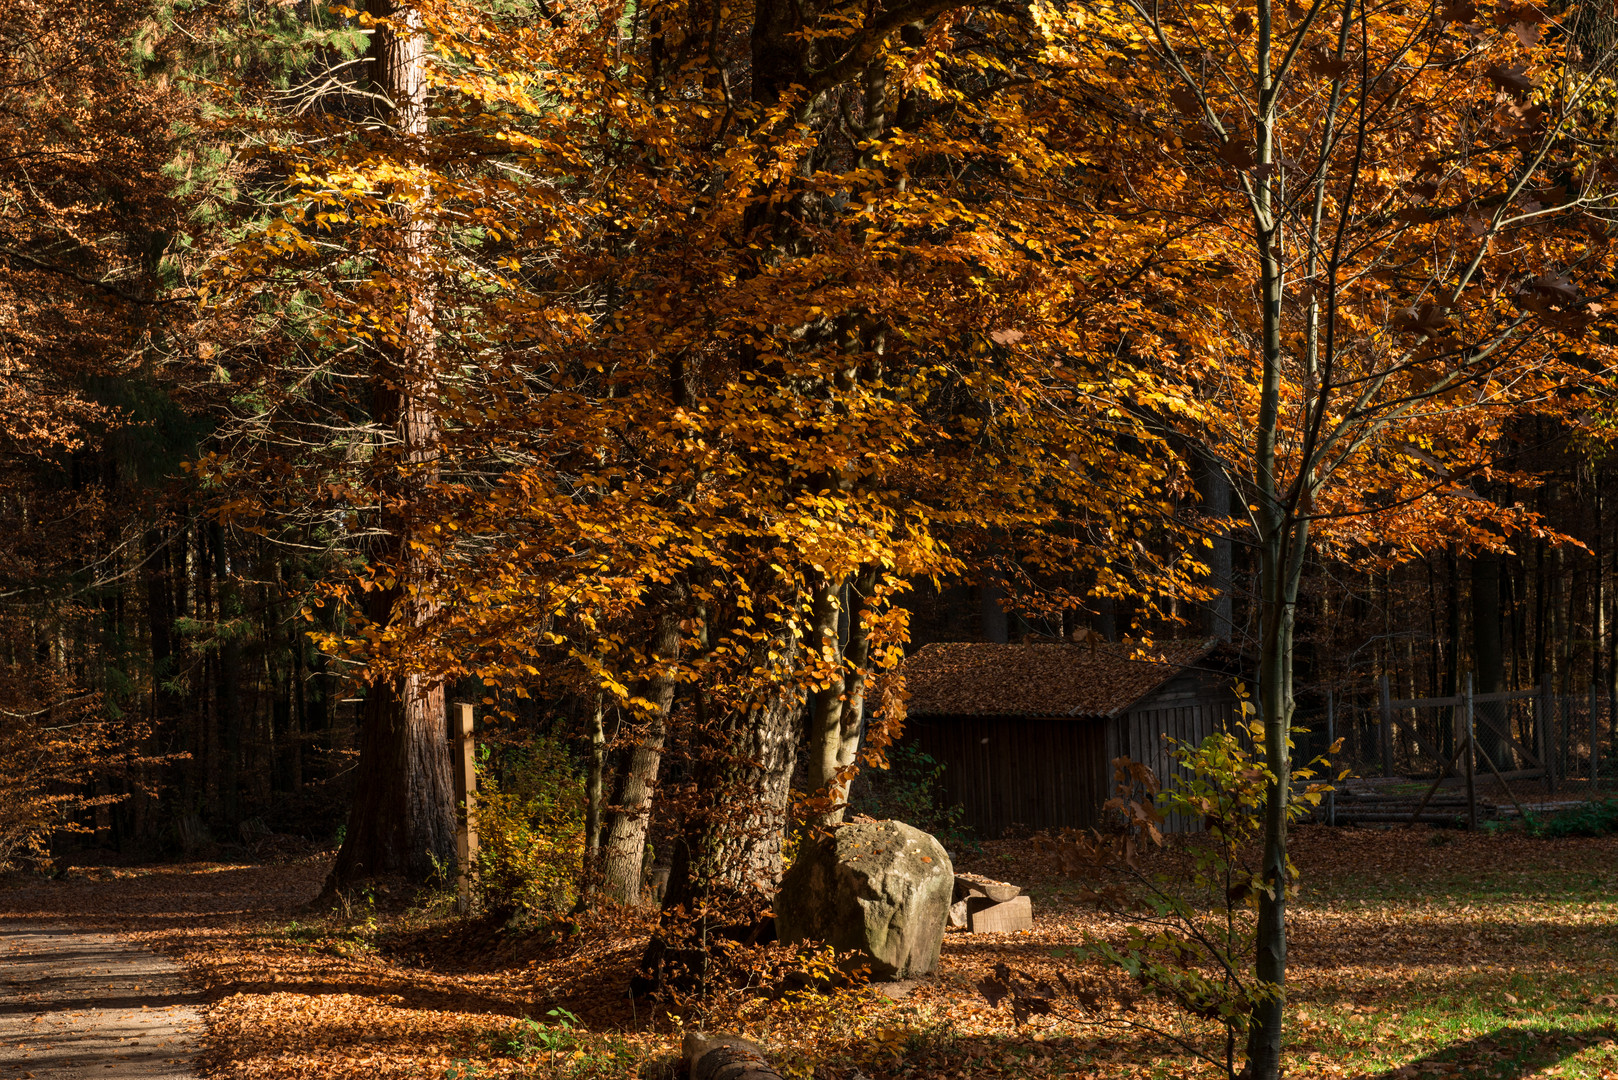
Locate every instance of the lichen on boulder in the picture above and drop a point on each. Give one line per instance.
(882, 889)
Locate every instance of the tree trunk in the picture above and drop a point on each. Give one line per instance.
(403, 820)
(631, 811)
(403, 817)
(728, 863)
(1218, 620)
(837, 713)
(207, 706)
(744, 850)
(593, 784)
(1452, 644)
(1279, 579)
(228, 699)
(1283, 540)
(1489, 655)
(1598, 602)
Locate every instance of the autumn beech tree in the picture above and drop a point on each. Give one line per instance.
(720, 367)
(1392, 221)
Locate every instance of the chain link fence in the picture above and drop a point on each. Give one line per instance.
(1408, 759)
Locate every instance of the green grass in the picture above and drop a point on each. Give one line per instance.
(1484, 956)
(1501, 961)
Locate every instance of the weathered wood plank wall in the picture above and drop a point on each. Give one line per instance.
(1044, 773)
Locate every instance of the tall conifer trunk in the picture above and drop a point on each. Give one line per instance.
(403, 818)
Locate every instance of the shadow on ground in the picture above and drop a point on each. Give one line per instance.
(1506, 1053)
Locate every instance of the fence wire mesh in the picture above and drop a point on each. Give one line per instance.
(1407, 759)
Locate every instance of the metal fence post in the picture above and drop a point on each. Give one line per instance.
(1387, 728)
(1471, 759)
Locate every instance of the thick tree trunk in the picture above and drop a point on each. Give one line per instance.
(403, 815)
(744, 843)
(403, 818)
(728, 863)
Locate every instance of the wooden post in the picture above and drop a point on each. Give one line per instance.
(1331, 739)
(1387, 728)
(466, 825)
(1471, 760)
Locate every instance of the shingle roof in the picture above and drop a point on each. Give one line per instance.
(1044, 679)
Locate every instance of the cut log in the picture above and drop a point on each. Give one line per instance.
(725, 1057)
(968, 885)
(1006, 918)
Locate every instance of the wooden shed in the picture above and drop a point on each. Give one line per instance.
(1027, 733)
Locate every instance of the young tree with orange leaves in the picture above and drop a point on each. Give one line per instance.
(1382, 212)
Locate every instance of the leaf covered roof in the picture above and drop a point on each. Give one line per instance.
(977, 678)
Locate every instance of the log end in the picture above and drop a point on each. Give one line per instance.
(725, 1057)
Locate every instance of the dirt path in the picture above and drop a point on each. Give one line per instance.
(77, 1005)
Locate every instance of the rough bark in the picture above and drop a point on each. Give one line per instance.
(744, 849)
(725, 1057)
(728, 862)
(402, 822)
(403, 815)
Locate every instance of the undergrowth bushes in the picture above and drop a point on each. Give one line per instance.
(1595, 818)
(911, 790)
(530, 810)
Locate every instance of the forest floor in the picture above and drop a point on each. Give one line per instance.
(1415, 953)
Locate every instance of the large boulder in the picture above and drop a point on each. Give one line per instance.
(879, 888)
